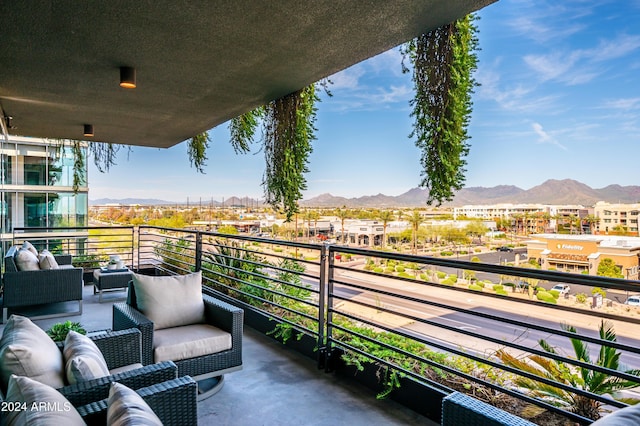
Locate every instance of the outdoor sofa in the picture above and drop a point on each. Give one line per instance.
(38, 287)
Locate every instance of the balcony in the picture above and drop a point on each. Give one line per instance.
(419, 327)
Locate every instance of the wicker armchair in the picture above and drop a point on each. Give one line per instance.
(119, 348)
(204, 368)
(461, 409)
(27, 288)
(173, 401)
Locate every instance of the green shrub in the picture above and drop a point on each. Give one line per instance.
(389, 270)
(597, 290)
(447, 282)
(581, 298)
(498, 287)
(547, 297)
(555, 293)
(412, 265)
(502, 293)
(378, 270)
(475, 287)
(58, 332)
(368, 267)
(477, 250)
(400, 269)
(479, 284)
(446, 253)
(404, 275)
(424, 277)
(507, 284)
(440, 274)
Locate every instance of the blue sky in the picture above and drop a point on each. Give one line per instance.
(559, 98)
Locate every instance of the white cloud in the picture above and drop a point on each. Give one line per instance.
(348, 78)
(544, 137)
(624, 104)
(581, 66)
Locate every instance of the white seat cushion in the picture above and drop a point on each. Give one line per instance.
(83, 359)
(170, 301)
(54, 408)
(26, 350)
(190, 341)
(125, 368)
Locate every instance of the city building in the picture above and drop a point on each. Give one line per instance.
(37, 185)
(531, 218)
(616, 218)
(583, 253)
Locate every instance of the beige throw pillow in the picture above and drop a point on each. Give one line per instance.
(170, 301)
(28, 246)
(26, 260)
(26, 350)
(47, 261)
(126, 408)
(44, 406)
(83, 359)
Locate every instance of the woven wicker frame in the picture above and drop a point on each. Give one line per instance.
(217, 313)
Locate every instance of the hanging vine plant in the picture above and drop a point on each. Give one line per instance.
(288, 130)
(104, 154)
(79, 171)
(443, 63)
(197, 151)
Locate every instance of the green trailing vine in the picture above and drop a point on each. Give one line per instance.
(197, 151)
(443, 62)
(243, 129)
(79, 172)
(104, 154)
(288, 130)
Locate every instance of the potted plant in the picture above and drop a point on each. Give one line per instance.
(89, 262)
(58, 332)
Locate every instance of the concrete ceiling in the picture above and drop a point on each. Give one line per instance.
(199, 63)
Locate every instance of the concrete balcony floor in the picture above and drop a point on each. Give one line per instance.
(276, 386)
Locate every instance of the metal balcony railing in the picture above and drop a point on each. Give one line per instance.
(440, 323)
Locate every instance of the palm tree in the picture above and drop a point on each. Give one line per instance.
(592, 221)
(415, 219)
(343, 214)
(385, 216)
(575, 376)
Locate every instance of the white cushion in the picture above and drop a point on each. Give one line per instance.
(47, 261)
(26, 350)
(625, 416)
(125, 368)
(27, 245)
(26, 260)
(126, 408)
(170, 301)
(44, 405)
(190, 341)
(83, 359)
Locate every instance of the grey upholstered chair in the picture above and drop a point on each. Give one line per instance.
(222, 320)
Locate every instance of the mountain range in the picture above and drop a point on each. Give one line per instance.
(552, 191)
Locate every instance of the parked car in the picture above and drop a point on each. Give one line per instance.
(562, 289)
(504, 248)
(633, 300)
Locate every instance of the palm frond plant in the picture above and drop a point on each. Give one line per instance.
(579, 377)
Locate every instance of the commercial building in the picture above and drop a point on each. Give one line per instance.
(616, 218)
(36, 185)
(583, 253)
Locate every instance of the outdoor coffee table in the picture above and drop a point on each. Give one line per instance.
(110, 280)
